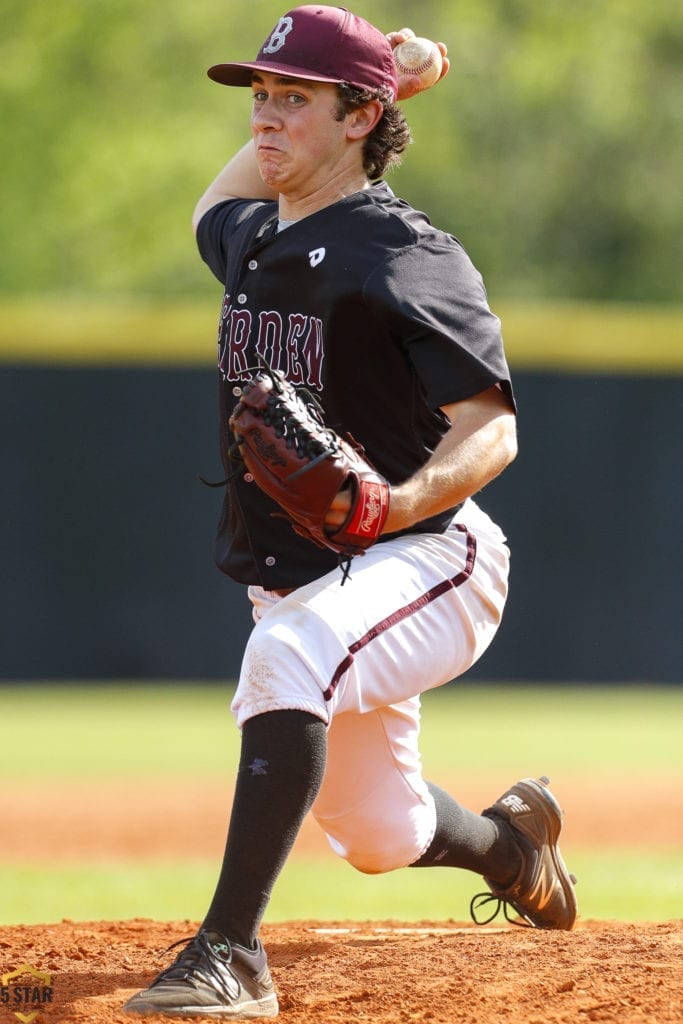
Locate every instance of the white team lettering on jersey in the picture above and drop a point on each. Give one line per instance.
(279, 36)
(316, 256)
(293, 344)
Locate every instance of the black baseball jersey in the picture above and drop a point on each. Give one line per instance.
(378, 313)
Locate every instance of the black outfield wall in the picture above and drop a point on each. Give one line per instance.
(106, 533)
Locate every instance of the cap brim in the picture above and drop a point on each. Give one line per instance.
(241, 74)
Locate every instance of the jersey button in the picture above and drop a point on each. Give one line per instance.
(248, 478)
(253, 264)
(270, 560)
(241, 297)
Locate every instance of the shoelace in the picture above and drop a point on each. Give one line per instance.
(196, 962)
(306, 445)
(483, 898)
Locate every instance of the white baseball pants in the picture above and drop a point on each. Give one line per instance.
(416, 612)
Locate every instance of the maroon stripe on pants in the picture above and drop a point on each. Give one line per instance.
(409, 609)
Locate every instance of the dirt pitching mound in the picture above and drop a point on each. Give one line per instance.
(380, 972)
(339, 972)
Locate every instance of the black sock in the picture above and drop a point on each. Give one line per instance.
(280, 772)
(467, 840)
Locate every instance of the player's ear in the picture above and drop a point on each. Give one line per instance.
(362, 120)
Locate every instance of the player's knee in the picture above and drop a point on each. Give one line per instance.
(374, 847)
(375, 859)
(372, 863)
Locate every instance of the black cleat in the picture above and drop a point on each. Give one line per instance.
(212, 977)
(543, 892)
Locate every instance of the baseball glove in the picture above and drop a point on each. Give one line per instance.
(302, 464)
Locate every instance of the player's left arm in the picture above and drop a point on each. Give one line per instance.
(480, 443)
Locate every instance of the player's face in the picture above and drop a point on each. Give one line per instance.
(301, 148)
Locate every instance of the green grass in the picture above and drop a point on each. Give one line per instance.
(621, 885)
(167, 731)
(113, 731)
(628, 886)
(187, 730)
(572, 730)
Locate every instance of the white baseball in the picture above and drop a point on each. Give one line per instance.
(421, 58)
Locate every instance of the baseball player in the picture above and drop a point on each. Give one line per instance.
(342, 287)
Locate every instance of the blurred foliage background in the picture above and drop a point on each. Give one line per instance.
(553, 149)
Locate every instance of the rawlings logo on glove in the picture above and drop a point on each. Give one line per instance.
(302, 464)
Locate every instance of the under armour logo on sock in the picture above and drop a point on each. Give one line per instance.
(258, 766)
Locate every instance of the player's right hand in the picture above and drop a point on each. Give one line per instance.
(407, 85)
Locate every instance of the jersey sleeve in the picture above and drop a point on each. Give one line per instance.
(434, 302)
(222, 228)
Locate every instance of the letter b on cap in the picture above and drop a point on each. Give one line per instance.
(279, 36)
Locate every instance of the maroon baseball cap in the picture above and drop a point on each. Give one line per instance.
(320, 44)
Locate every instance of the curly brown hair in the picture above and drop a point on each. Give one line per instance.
(391, 136)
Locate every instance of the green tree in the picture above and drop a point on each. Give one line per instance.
(553, 149)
